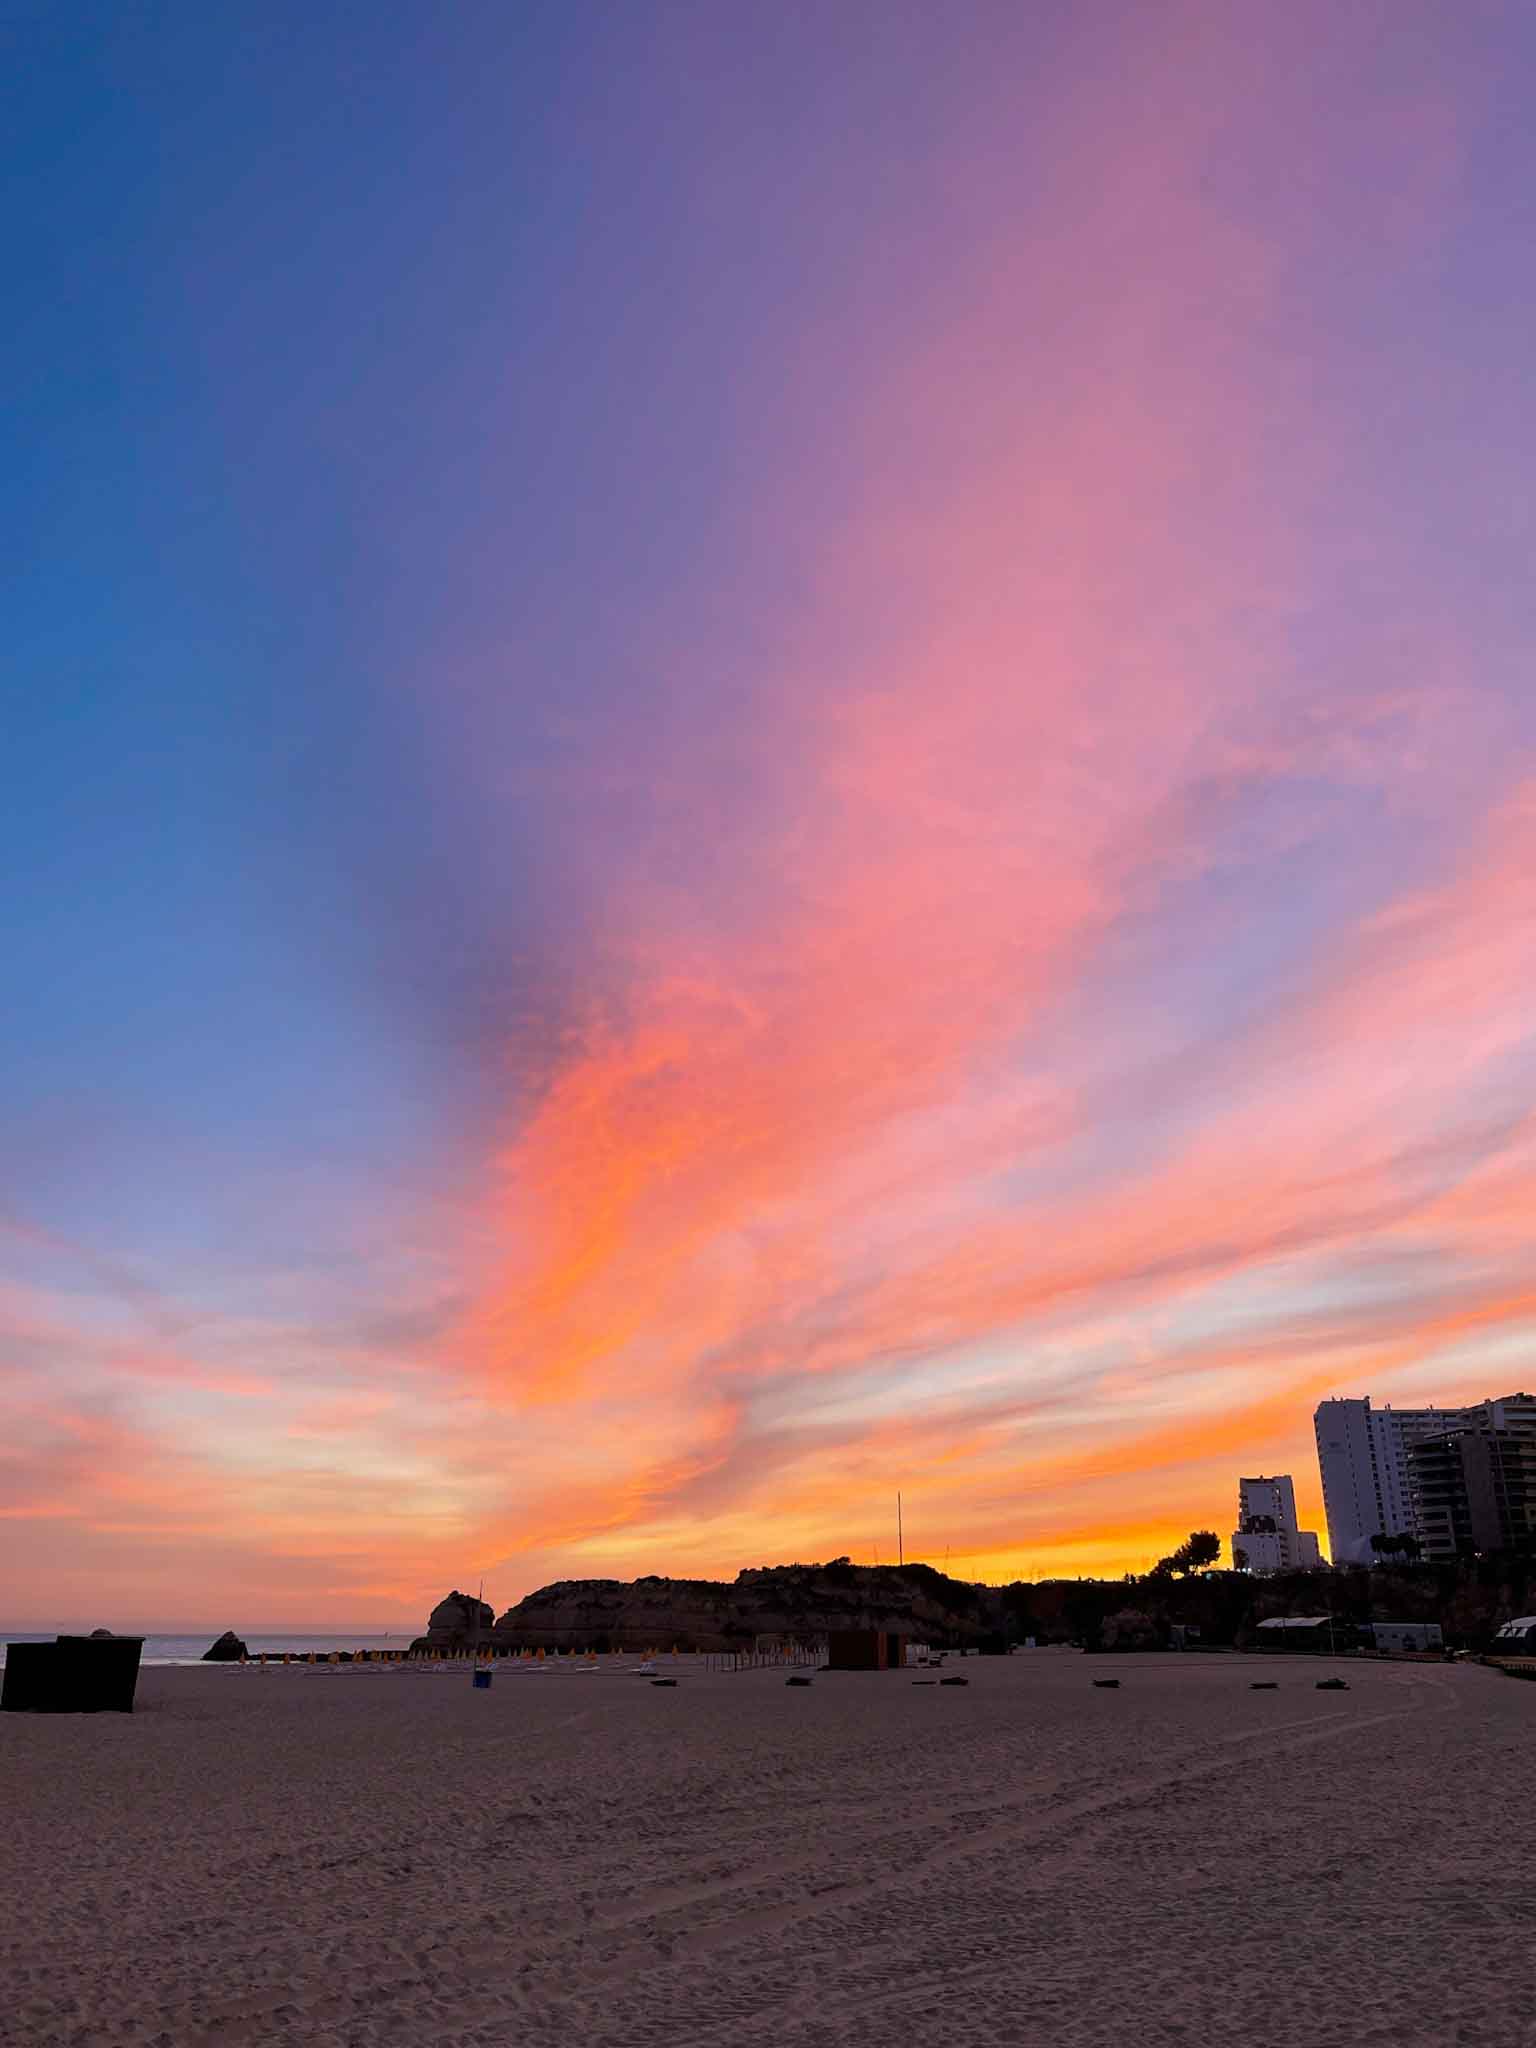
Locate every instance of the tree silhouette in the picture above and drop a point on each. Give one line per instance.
(1201, 1548)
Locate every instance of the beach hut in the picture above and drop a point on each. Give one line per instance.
(1398, 1636)
(865, 1649)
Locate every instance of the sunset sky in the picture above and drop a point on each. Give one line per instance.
(751, 753)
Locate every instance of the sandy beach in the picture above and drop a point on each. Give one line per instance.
(378, 1859)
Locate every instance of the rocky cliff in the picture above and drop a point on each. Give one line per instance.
(1468, 1599)
(456, 1621)
(707, 1614)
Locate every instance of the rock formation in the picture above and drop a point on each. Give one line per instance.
(456, 1622)
(805, 1601)
(797, 1601)
(227, 1650)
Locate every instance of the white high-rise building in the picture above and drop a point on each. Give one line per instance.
(1362, 1455)
(1266, 1532)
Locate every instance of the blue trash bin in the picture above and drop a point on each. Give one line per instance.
(483, 1681)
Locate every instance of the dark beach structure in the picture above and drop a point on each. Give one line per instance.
(865, 1649)
(72, 1675)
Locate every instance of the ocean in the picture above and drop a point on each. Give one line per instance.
(180, 1649)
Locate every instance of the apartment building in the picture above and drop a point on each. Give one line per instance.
(1266, 1535)
(1475, 1489)
(1369, 1488)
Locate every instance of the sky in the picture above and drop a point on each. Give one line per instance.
(749, 756)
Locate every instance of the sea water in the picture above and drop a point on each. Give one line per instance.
(183, 1649)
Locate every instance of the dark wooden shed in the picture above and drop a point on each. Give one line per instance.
(865, 1649)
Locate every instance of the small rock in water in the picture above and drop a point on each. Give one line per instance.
(227, 1650)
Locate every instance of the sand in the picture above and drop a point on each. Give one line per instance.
(377, 1858)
